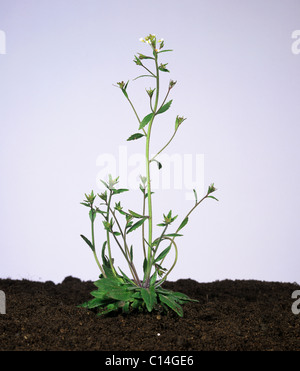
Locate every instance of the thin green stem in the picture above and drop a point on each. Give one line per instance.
(130, 264)
(193, 208)
(147, 69)
(172, 241)
(134, 110)
(158, 243)
(125, 252)
(150, 221)
(164, 146)
(165, 98)
(107, 236)
(94, 250)
(175, 261)
(143, 225)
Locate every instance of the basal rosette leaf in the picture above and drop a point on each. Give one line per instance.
(149, 297)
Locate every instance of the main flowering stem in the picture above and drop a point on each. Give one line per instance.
(150, 220)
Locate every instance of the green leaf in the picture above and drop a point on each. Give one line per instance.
(172, 304)
(153, 279)
(106, 284)
(125, 307)
(119, 293)
(182, 297)
(126, 278)
(145, 120)
(173, 235)
(136, 303)
(165, 107)
(213, 198)
(163, 254)
(196, 197)
(160, 270)
(163, 68)
(163, 51)
(88, 242)
(158, 164)
(149, 297)
(121, 190)
(146, 195)
(101, 212)
(99, 294)
(125, 93)
(104, 258)
(183, 224)
(136, 215)
(108, 271)
(142, 56)
(85, 204)
(92, 215)
(145, 264)
(131, 253)
(136, 225)
(106, 185)
(110, 308)
(93, 303)
(136, 136)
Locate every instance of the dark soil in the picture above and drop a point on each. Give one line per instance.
(230, 315)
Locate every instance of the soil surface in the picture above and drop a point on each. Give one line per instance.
(230, 315)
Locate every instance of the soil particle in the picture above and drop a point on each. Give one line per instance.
(230, 315)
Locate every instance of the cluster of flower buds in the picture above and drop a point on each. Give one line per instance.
(123, 86)
(89, 199)
(150, 92)
(137, 61)
(151, 40)
(179, 120)
(172, 84)
(211, 189)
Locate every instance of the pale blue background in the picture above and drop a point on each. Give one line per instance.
(238, 85)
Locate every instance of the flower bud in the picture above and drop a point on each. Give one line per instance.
(137, 61)
(179, 121)
(163, 68)
(121, 84)
(150, 92)
(161, 43)
(171, 84)
(211, 189)
(142, 56)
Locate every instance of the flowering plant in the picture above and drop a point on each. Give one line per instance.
(115, 290)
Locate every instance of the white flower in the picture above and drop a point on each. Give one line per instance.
(142, 39)
(161, 40)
